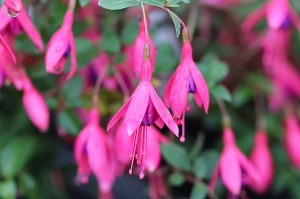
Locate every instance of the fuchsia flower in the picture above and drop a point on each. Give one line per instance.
(186, 79)
(233, 165)
(61, 44)
(279, 14)
(144, 108)
(90, 148)
(137, 54)
(93, 153)
(23, 21)
(261, 158)
(292, 139)
(14, 6)
(35, 105)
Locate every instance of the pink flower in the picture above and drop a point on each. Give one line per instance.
(233, 165)
(35, 105)
(14, 5)
(93, 153)
(137, 53)
(61, 44)
(90, 148)
(143, 109)
(261, 158)
(279, 14)
(292, 139)
(186, 79)
(24, 22)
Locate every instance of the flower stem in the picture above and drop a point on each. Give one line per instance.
(225, 115)
(259, 108)
(72, 5)
(145, 22)
(99, 81)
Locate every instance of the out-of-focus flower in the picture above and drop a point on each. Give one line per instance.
(137, 53)
(13, 6)
(61, 44)
(186, 79)
(24, 22)
(233, 165)
(93, 153)
(279, 15)
(261, 158)
(35, 105)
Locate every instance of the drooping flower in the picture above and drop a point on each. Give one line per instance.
(13, 6)
(137, 53)
(261, 158)
(61, 44)
(279, 15)
(143, 109)
(90, 148)
(186, 79)
(24, 22)
(35, 105)
(93, 154)
(233, 166)
(292, 139)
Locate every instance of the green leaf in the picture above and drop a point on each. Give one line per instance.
(117, 4)
(200, 167)
(15, 155)
(129, 32)
(205, 164)
(8, 189)
(242, 95)
(110, 42)
(176, 179)
(176, 23)
(85, 51)
(199, 191)
(72, 88)
(221, 92)
(28, 185)
(70, 121)
(159, 3)
(176, 156)
(83, 3)
(213, 69)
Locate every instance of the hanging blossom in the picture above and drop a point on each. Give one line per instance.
(292, 138)
(186, 79)
(22, 22)
(61, 44)
(143, 109)
(279, 14)
(35, 105)
(93, 154)
(233, 166)
(262, 160)
(13, 7)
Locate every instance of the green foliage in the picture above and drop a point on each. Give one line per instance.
(176, 156)
(199, 191)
